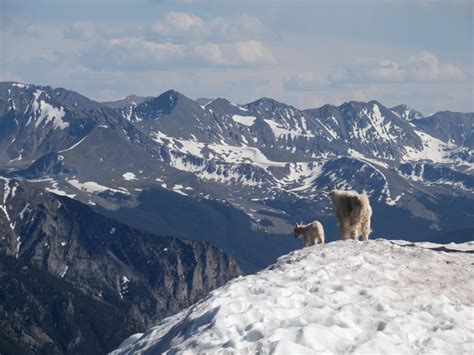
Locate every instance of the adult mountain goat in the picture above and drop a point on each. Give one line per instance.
(353, 213)
(311, 233)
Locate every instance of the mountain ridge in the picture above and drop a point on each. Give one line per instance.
(261, 158)
(263, 98)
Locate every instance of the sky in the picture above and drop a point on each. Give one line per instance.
(305, 53)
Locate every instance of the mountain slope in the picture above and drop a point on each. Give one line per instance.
(39, 119)
(369, 128)
(347, 296)
(453, 127)
(43, 314)
(207, 220)
(144, 275)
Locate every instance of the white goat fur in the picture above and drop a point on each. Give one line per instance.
(311, 233)
(353, 213)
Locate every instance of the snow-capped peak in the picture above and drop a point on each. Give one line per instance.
(406, 112)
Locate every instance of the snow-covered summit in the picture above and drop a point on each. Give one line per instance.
(406, 112)
(345, 297)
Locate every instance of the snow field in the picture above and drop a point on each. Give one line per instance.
(94, 187)
(245, 120)
(353, 297)
(43, 111)
(129, 176)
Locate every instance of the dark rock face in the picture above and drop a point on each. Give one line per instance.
(44, 314)
(434, 173)
(142, 275)
(453, 127)
(206, 220)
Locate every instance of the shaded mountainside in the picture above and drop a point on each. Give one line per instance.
(142, 275)
(453, 127)
(37, 121)
(209, 221)
(44, 314)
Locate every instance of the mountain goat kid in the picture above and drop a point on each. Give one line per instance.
(353, 213)
(311, 233)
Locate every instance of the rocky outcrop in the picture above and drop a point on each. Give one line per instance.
(41, 313)
(146, 276)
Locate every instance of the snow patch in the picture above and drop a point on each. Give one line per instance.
(181, 145)
(244, 120)
(18, 246)
(7, 190)
(178, 188)
(280, 131)
(433, 149)
(63, 273)
(123, 286)
(355, 154)
(24, 210)
(55, 190)
(73, 146)
(42, 111)
(129, 176)
(94, 187)
(232, 154)
(302, 174)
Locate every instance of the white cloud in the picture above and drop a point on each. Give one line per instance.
(140, 54)
(114, 57)
(136, 48)
(421, 67)
(185, 26)
(253, 52)
(238, 53)
(131, 54)
(180, 39)
(425, 66)
(211, 52)
(306, 81)
(177, 24)
(81, 30)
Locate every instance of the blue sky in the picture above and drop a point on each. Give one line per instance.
(305, 53)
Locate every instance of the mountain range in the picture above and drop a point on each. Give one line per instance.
(242, 175)
(137, 208)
